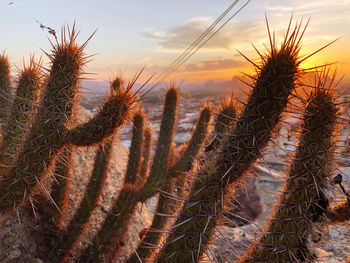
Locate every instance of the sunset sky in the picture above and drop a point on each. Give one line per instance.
(134, 33)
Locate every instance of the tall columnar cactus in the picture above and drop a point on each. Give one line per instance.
(54, 212)
(274, 83)
(21, 114)
(5, 86)
(165, 205)
(50, 133)
(133, 167)
(112, 231)
(93, 193)
(107, 241)
(305, 197)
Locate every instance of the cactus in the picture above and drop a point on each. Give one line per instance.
(5, 86)
(107, 241)
(275, 82)
(195, 199)
(305, 197)
(93, 192)
(165, 205)
(133, 167)
(114, 228)
(223, 122)
(68, 236)
(58, 193)
(146, 155)
(49, 133)
(21, 115)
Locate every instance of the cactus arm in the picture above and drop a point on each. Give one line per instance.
(59, 187)
(135, 149)
(146, 155)
(165, 205)
(5, 86)
(21, 115)
(113, 115)
(109, 237)
(304, 199)
(88, 203)
(186, 161)
(223, 122)
(160, 160)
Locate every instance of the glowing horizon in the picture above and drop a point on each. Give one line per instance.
(153, 34)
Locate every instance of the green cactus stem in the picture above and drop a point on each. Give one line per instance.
(5, 87)
(305, 197)
(105, 245)
(177, 180)
(113, 115)
(275, 82)
(160, 161)
(146, 155)
(69, 235)
(21, 115)
(109, 236)
(59, 187)
(135, 148)
(223, 122)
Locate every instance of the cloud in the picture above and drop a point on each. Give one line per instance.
(180, 37)
(213, 65)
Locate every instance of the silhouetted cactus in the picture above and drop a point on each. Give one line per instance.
(275, 82)
(305, 199)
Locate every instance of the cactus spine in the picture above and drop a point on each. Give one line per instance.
(275, 82)
(305, 198)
